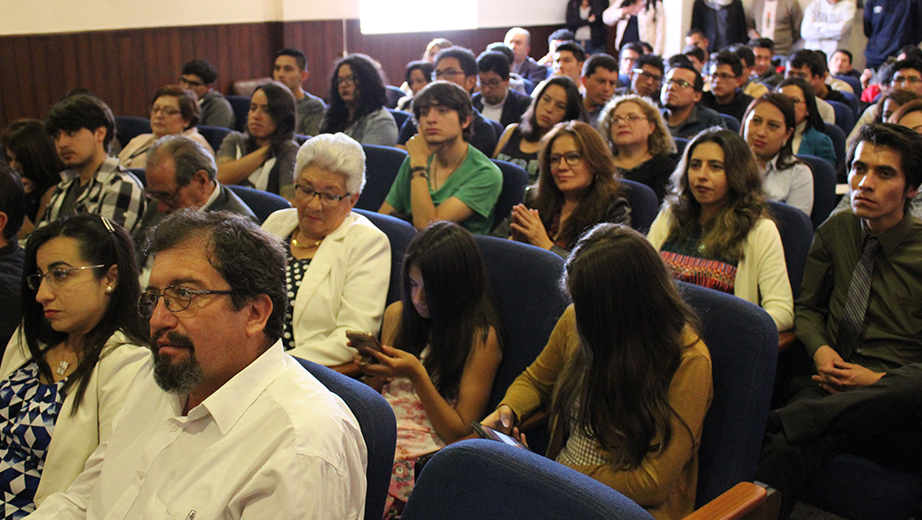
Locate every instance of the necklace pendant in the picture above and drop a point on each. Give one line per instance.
(62, 368)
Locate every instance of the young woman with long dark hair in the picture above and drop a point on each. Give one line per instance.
(445, 340)
(357, 103)
(70, 366)
(624, 375)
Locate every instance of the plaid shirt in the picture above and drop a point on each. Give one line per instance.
(113, 192)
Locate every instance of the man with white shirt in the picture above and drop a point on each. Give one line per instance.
(827, 23)
(228, 425)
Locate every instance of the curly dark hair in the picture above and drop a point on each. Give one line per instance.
(369, 88)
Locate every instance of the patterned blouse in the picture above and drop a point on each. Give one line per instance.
(28, 411)
(295, 273)
(690, 263)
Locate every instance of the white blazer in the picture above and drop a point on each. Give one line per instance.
(344, 288)
(75, 437)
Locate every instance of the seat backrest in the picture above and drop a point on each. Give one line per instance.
(824, 188)
(525, 284)
(796, 232)
(400, 116)
(515, 180)
(498, 129)
(490, 480)
(644, 205)
(246, 87)
(379, 429)
(241, 107)
(214, 135)
(393, 96)
(381, 166)
(845, 116)
(731, 122)
(399, 234)
(261, 202)
(853, 101)
(743, 342)
(837, 136)
(529, 86)
(129, 127)
(680, 143)
(852, 81)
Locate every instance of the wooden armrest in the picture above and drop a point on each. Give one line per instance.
(533, 421)
(785, 338)
(348, 368)
(746, 500)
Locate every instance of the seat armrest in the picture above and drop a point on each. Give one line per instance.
(785, 338)
(746, 500)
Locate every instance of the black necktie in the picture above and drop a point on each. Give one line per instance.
(856, 304)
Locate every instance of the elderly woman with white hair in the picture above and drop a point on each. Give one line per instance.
(339, 263)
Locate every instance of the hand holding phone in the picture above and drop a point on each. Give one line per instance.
(363, 342)
(485, 432)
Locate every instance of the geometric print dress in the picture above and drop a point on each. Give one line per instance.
(28, 411)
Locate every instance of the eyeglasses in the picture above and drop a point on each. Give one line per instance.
(167, 111)
(446, 74)
(629, 119)
(56, 277)
(190, 82)
(648, 75)
(493, 83)
(572, 158)
(723, 75)
(341, 80)
(166, 198)
(176, 298)
(911, 80)
(678, 83)
(327, 199)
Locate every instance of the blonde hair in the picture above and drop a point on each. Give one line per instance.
(660, 141)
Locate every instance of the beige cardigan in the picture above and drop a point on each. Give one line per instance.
(761, 275)
(76, 436)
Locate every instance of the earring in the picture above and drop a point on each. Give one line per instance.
(108, 288)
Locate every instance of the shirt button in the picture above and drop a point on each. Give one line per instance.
(174, 428)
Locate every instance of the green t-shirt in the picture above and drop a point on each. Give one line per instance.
(476, 182)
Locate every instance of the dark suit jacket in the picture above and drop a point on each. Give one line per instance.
(226, 200)
(515, 105)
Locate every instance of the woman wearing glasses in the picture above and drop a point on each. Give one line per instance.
(577, 189)
(357, 99)
(172, 111)
(264, 156)
(640, 142)
(339, 263)
(70, 366)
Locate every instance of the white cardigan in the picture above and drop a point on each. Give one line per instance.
(344, 288)
(761, 275)
(75, 437)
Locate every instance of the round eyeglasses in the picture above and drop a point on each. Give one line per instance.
(176, 298)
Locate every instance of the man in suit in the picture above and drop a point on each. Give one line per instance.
(181, 174)
(519, 40)
(496, 100)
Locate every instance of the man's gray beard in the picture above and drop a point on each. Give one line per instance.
(179, 378)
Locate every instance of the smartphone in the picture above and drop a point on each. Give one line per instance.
(485, 432)
(363, 342)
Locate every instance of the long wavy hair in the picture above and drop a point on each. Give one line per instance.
(368, 84)
(660, 141)
(785, 155)
(721, 238)
(896, 96)
(630, 345)
(603, 190)
(460, 305)
(575, 109)
(99, 242)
